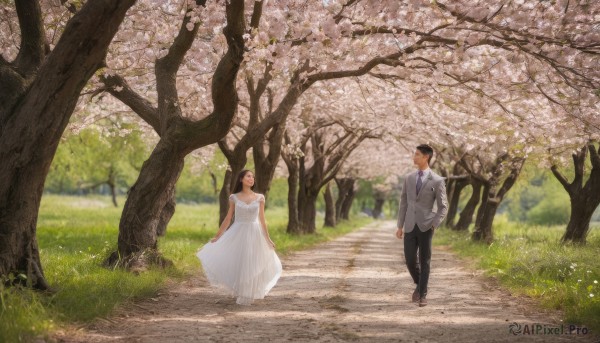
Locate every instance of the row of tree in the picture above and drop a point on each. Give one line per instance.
(491, 180)
(435, 71)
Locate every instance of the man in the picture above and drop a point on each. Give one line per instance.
(417, 221)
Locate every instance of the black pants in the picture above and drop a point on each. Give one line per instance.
(417, 253)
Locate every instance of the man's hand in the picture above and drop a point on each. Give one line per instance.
(400, 233)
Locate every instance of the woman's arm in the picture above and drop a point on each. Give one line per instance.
(226, 221)
(261, 217)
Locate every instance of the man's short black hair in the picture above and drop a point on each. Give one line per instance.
(425, 149)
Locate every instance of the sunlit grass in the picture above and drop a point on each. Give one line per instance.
(75, 235)
(22, 315)
(530, 260)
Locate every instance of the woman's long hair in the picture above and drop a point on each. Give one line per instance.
(238, 183)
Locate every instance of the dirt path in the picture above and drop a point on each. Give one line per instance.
(355, 288)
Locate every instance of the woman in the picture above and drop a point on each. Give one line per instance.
(242, 259)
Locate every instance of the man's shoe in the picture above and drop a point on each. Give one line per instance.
(422, 302)
(415, 295)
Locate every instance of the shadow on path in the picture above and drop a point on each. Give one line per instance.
(355, 288)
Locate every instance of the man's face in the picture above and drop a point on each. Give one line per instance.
(419, 158)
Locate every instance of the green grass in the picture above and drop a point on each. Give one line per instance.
(75, 234)
(529, 260)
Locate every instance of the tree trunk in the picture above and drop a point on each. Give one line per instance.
(152, 192)
(113, 192)
(329, 207)
(378, 208)
(224, 196)
(236, 158)
(347, 203)
(307, 211)
(484, 199)
(293, 179)
(450, 185)
(343, 203)
(326, 162)
(148, 198)
(262, 179)
(213, 181)
(458, 186)
(265, 163)
(584, 198)
(483, 232)
(466, 215)
(113, 187)
(39, 94)
(166, 214)
(579, 223)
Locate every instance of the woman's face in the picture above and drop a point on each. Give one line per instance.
(248, 179)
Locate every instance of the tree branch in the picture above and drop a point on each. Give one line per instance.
(256, 14)
(504, 29)
(77, 55)
(222, 143)
(255, 94)
(563, 181)
(166, 69)
(3, 62)
(579, 164)
(261, 85)
(71, 7)
(33, 40)
(512, 178)
(338, 17)
(347, 136)
(475, 175)
(141, 106)
(458, 177)
(182, 43)
(13, 86)
(390, 60)
(337, 165)
(594, 156)
(223, 88)
(275, 139)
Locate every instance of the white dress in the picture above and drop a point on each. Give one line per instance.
(241, 261)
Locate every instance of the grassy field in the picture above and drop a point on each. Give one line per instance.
(529, 260)
(76, 234)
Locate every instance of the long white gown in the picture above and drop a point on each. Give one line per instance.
(241, 261)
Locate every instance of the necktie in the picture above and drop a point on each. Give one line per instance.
(419, 181)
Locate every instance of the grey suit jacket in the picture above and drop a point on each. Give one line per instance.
(418, 209)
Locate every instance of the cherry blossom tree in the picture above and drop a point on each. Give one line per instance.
(381, 161)
(151, 204)
(275, 53)
(585, 197)
(42, 73)
(314, 160)
(435, 46)
(457, 182)
(481, 79)
(466, 215)
(579, 142)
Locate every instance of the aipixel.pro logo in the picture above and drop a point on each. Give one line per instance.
(545, 329)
